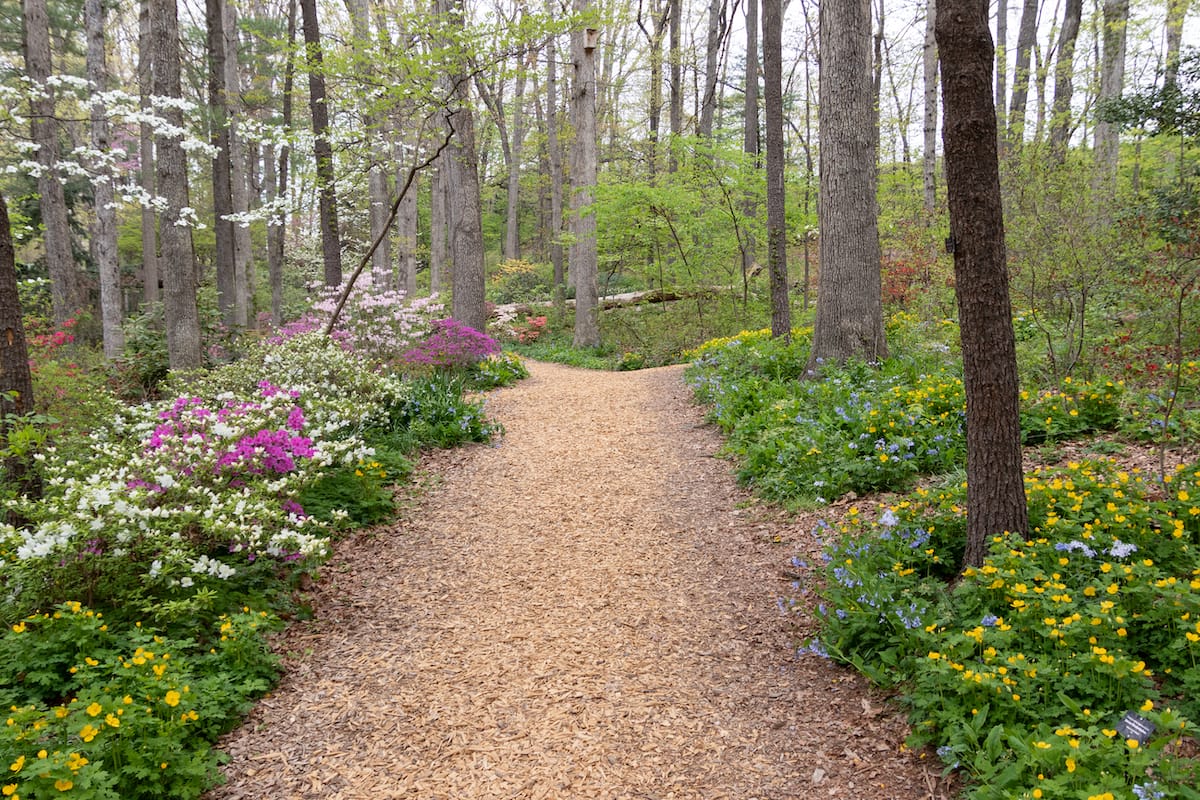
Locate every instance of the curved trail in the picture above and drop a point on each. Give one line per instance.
(578, 612)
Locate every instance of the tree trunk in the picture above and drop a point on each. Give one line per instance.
(275, 222)
(104, 226)
(583, 263)
(239, 190)
(150, 272)
(16, 383)
(1176, 13)
(772, 38)
(1112, 81)
(1064, 86)
(221, 165)
(1001, 67)
(717, 26)
(654, 37)
(1026, 35)
(406, 240)
(64, 283)
(849, 304)
(378, 196)
(675, 56)
(512, 217)
(556, 167)
(438, 225)
(750, 132)
(466, 226)
(331, 245)
(995, 483)
(179, 261)
(930, 64)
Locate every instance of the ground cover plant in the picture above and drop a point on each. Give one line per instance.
(141, 582)
(1020, 673)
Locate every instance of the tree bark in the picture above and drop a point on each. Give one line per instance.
(103, 232)
(750, 130)
(150, 271)
(675, 57)
(1064, 86)
(1112, 81)
(772, 36)
(466, 225)
(275, 222)
(930, 64)
(654, 37)
(512, 217)
(438, 251)
(16, 382)
(717, 27)
(583, 257)
(1026, 35)
(406, 239)
(239, 189)
(995, 483)
(331, 245)
(1001, 68)
(221, 164)
(1176, 13)
(64, 283)
(179, 261)
(849, 319)
(556, 167)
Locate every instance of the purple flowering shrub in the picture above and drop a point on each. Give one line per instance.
(451, 345)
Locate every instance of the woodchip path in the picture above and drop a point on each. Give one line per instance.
(580, 610)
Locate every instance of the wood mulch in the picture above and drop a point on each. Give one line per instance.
(584, 609)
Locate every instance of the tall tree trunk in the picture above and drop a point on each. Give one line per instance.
(438, 228)
(150, 272)
(750, 131)
(717, 26)
(1176, 13)
(930, 64)
(1026, 35)
(512, 217)
(275, 222)
(583, 257)
(1064, 86)
(654, 37)
(104, 225)
(179, 261)
(239, 190)
(16, 381)
(1001, 68)
(675, 56)
(466, 226)
(556, 168)
(64, 283)
(406, 239)
(772, 39)
(1112, 82)
(995, 483)
(849, 296)
(331, 245)
(877, 70)
(221, 165)
(378, 196)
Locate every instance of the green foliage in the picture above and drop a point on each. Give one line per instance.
(500, 369)
(1022, 670)
(519, 281)
(1070, 412)
(104, 711)
(860, 428)
(435, 413)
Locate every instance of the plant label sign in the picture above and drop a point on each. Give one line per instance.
(1135, 727)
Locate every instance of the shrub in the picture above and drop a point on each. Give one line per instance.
(1023, 670)
(451, 345)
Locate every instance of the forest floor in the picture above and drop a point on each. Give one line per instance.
(585, 608)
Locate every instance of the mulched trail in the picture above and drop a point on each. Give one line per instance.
(585, 609)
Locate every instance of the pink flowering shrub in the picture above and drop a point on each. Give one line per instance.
(452, 345)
